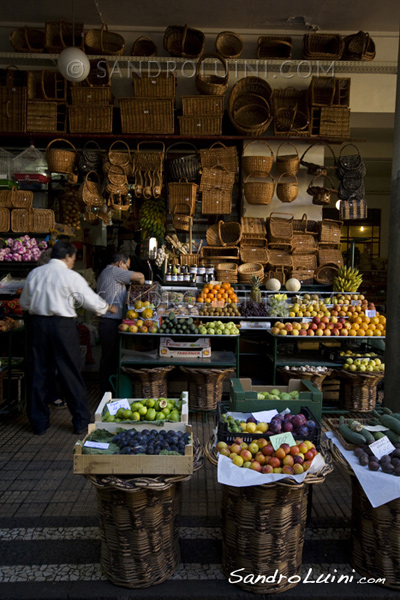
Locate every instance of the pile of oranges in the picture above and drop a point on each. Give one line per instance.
(223, 292)
(363, 325)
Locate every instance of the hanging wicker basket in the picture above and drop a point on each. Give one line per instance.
(280, 228)
(287, 163)
(259, 192)
(323, 46)
(213, 84)
(187, 165)
(91, 192)
(287, 191)
(321, 195)
(229, 44)
(230, 233)
(274, 47)
(61, 161)
(104, 42)
(62, 34)
(257, 163)
(313, 168)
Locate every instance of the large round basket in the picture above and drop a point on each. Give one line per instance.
(229, 44)
(358, 391)
(257, 163)
(149, 383)
(316, 378)
(259, 192)
(249, 270)
(263, 530)
(205, 387)
(252, 118)
(144, 46)
(139, 525)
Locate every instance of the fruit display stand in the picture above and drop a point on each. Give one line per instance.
(138, 519)
(375, 532)
(358, 390)
(263, 530)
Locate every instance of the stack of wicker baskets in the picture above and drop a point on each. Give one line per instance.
(226, 272)
(304, 252)
(202, 115)
(330, 112)
(17, 214)
(46, 100)
(220, 166)
(152, 108)
(13, 100)
(329, 243)
(91, 110)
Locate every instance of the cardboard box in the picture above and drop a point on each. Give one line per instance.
(123, 464)
(200, 348)
(243, 396)
(176, 426)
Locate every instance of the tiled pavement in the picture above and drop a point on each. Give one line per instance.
(49, 535)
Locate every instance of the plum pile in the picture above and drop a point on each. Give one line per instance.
(151, 441)
(253, 309)
(390, 463)
(296, 424)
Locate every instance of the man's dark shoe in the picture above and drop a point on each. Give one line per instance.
(40, 431)
(80, 430)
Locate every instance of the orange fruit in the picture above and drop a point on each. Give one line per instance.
(226, 285)
(358, 320)
(361, 333)
(369, 332)
(355, 326)
(352, 332)
(366, 320)
(375, 320)
(217, 287)
(377, 332)
(208, 300)
(219, 296)
(380, 327)
(372, 326)
(382, 319)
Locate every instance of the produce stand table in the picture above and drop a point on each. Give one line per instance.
(9, 405)
(139, 525)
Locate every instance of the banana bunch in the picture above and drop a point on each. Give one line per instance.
(152, 217)
(347, 279)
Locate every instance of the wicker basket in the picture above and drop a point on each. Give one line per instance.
(249, 85)
(201, 106)
(12, 109)
(257, 163)
(249, 270)
(149, 383)
(287, 163)
(27, 39)
(218, 177)
(159, 85)
(104, 42)
(259, 192)
(216, 201)
(189, 259)
(147, 115)
(253, 118)
(321, 194)
(48, 117)
(150, 159)
(212, 84)
(304, 262)
(374, 538)
(330, 231)
(331, 256)
(280, 227)
(200, 125)
(330, 122)
(212, 236)
(61, 34)
(229, 233)
(252, 228)
(326, 274)
(229, 44)
(182, 193)
(91, 192)
(291, 122)
(303, 243)
(217, 254)
(316, 379)
(359, 390)
(359, 46)
(226, 156)
(256, 252)
(287, 191)
(323, 46)
(90, 118)
(93, 95)
(305, 277)
(5, 220)
(42, 220)
(16, 198)
(274, 47)
(186, 166)
(205, 387)
(184, 41)
(61, 161)
(353, 209)
(181, 222)
(144, 46)
(279, 257)
(21, 220)
(313, 168)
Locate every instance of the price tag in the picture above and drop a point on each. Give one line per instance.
(355, 302)
(113, 407)
(98, 445)
(382, 447)
(307, 319)
(370, 313)
(282, 438)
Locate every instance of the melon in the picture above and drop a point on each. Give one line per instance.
(293, 285)
(273, 285)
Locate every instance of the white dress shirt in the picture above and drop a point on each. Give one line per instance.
(56, 290)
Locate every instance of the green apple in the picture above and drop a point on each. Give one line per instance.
(151, 414)
(150, 403)
(135, 416)
(362, 368)
(142, 411)
(128, 414)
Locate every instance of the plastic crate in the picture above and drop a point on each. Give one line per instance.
(223, 435)
(243, 396)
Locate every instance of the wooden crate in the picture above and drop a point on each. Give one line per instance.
(123, 464)
(176, 426)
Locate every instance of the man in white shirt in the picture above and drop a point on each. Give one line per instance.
(50, 295)
(111, 285)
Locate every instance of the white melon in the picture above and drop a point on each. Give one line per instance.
(273, 285)
(293, 285)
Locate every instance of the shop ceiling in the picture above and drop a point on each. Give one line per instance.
(240, 15)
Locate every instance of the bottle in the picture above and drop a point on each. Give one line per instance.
(168, 275)
(180, 273)
(186, 275)
(175, 270)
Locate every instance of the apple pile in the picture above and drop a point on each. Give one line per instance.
(151, 409)
(260, 456)
(296, 424)
(365, 365)
(332, 326)
(138, 326)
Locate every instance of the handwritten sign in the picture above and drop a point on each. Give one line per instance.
(98, 445)
(113, 407)
(282, 438)
(370, 313)
(382, 447)
(355, 302)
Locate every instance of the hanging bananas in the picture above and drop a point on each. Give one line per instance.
(152, 217)
(347, 279)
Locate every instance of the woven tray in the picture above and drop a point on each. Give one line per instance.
(220, 253)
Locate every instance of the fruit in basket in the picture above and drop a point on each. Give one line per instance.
(282, 460)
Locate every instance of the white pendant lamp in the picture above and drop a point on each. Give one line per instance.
(73, 64)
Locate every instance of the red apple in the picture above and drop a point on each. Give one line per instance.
(330, 326)
(298, 469)
(309, 455)
(286, 448)
(235, 448)
(261, 443)
(310, 332)
(260, 458)
(313, 326)
(339, 326)
(327, 332)
(288, 327)
(342, 320)
(316, 320)
(303, 448)
(306, 465)
(298, 460)
(274, 462)
(303, 332)
(294, 450)
(268, 450)
(255, 466)
(335, 331)
(324, 320)
(246, 455)
(238, 440)
(322, 325)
